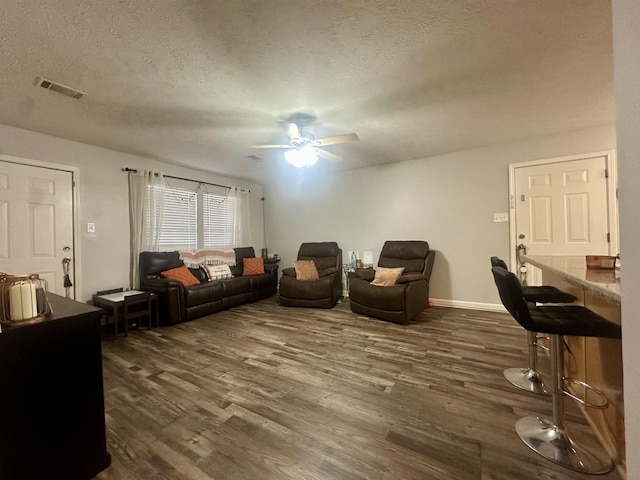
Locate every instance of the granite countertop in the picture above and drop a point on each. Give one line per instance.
(573, 269)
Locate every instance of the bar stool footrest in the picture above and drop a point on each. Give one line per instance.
(546, 439)
(542, 337)
(598, 406)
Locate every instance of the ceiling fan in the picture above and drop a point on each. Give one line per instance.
(303, 148)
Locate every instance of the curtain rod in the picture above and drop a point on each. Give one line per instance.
(127, 169)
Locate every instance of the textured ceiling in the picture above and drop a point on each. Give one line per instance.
(197, 82)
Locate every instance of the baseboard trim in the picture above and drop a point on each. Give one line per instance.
(491, 307)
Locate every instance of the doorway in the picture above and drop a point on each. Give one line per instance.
(562, 206)
(37, 218)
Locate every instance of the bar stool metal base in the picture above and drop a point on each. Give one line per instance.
(526, 379)
(529, 378)
(554, 444)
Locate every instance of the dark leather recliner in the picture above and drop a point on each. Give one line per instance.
(322, 293)
(403, 301)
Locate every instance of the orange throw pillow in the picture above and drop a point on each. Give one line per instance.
(252, 266)
(182, 274)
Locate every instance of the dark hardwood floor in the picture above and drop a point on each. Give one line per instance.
(263, 392)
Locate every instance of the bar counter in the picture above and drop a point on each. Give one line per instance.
(597, 361)
(602, 283)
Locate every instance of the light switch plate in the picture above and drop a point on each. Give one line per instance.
(91, 227)
(500, 217)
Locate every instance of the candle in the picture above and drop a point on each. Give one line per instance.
(22, 301)
(15, 302)
(29, 301)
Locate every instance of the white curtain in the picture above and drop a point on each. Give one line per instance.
(241, 234)
(146, 207)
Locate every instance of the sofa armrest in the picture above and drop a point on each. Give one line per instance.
(159, 284)
(327, 271)
(366, 274)
(289, 272)
(170, 297)
(410, 277)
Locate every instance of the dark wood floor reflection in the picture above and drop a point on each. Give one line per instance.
(263, 392)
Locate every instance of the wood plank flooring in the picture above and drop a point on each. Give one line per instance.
(263, 392)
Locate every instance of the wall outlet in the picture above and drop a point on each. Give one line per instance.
(500, 217)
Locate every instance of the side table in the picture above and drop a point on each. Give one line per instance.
(347, 268)
(115, 302)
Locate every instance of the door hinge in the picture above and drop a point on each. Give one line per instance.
(73, 183)
(511, 201)
(606, 173)
(608, 237)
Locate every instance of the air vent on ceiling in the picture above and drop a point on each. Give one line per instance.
(59, 88)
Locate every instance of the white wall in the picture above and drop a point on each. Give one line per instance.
(448, 200)
(103, 199)
(626, 38)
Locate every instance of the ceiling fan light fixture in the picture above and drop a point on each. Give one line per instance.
(302, 157)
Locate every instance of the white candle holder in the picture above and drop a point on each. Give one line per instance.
(23, 298)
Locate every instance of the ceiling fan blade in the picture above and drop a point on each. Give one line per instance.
(271, 146)
(323, 142)
(328, 155)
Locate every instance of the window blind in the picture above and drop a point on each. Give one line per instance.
(217, 212)
(179, 222)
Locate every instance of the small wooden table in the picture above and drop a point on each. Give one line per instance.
(115, 302)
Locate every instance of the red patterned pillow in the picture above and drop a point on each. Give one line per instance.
(182, 274)
(252, 266)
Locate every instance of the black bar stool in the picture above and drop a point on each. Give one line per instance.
(547, 437)
(529, 378)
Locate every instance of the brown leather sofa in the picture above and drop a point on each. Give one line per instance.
(403, 301)
(321, 293)
(178, 303)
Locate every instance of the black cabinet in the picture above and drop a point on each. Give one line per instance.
(51, 396)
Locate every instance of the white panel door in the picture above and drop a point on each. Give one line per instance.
(36, 221)
(561, 208)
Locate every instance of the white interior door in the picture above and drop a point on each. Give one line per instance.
(36, 222)
(562, 208)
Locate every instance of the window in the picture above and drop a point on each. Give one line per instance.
(217, 215)
(195, 217)
(179, 228)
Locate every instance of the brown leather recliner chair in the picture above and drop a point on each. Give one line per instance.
(321, 293)
(403, 301)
